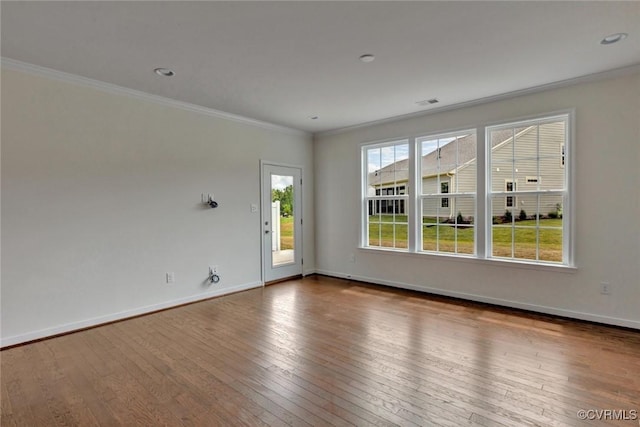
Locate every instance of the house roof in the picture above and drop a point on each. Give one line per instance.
(446, 156)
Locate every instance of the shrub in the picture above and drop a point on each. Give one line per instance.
(459, 218)
(559, 210)
(507, 216)
(553, 214)
(523, 215)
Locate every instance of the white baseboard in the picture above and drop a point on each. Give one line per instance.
(615, 321)
(83, 324)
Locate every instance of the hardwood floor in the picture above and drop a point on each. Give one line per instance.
(320, 351)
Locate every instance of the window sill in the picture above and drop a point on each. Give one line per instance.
(498, 262)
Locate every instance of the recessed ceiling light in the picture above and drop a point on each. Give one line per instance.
(613, 38)
(367, 57)
(165, 72)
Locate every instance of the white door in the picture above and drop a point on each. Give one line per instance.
(281, 221)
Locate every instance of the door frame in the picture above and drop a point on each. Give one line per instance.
(263, 215)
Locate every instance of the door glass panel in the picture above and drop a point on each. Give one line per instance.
(282, 220)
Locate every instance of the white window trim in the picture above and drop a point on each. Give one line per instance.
(365, 198)
(568, 193)
(438, 195)
(482, 196)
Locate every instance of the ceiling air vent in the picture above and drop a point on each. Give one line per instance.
(428, 102)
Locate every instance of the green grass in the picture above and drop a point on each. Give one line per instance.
(286, 233)
(384, 232)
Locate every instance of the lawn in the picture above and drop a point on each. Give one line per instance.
(286, 233)
(384, 232)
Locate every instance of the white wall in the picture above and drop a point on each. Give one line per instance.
(607, 159)
(101, 197)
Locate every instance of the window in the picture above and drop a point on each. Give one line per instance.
(419, 193)
(386, 167)
(510, 201)
(447, 166)
(532, 226)
(444, 189)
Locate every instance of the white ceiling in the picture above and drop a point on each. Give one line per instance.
(283, 62)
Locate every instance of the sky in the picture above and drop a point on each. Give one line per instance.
(378, 158)
(280, 182)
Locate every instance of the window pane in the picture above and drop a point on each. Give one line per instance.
(552, 140)
(387, 235)
(282, 220)
(401, 239)
(387, 224)
(446, 238)
(501, 172)
(430, 211)
(526, 143)
(525, 242)
(534, 232)
(536, 153)
(464, 220)
(450, 159)
(551, 240)
(501, 241)
(387, 168)
(444, 231)
(393, 235)
(373, 228)
(465, 239)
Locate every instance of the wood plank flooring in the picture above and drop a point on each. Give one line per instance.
(321, 351)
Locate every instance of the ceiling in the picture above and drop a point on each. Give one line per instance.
(285, 62)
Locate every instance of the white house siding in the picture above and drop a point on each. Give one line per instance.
(520, 166)
(533, 163)
(433, 207)
(518, 163)
(466, 180)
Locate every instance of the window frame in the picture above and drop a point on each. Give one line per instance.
(383, 196)
(453, 193)
(482, 201)
(567, 193)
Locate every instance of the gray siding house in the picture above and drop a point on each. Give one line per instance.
(535, 162)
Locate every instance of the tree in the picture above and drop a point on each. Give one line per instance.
(285, 197)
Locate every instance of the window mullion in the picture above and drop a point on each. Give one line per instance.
(483, 205)
(413, 187)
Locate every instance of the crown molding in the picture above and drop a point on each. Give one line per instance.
(15, 65)
(618, 72)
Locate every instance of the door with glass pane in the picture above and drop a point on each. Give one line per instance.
(281, 221)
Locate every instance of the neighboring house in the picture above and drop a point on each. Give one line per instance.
(451, 168)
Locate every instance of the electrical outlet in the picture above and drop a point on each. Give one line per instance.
(254, 207)
(605, 288)
(214, 269)
(171, 277)
(352, 257)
